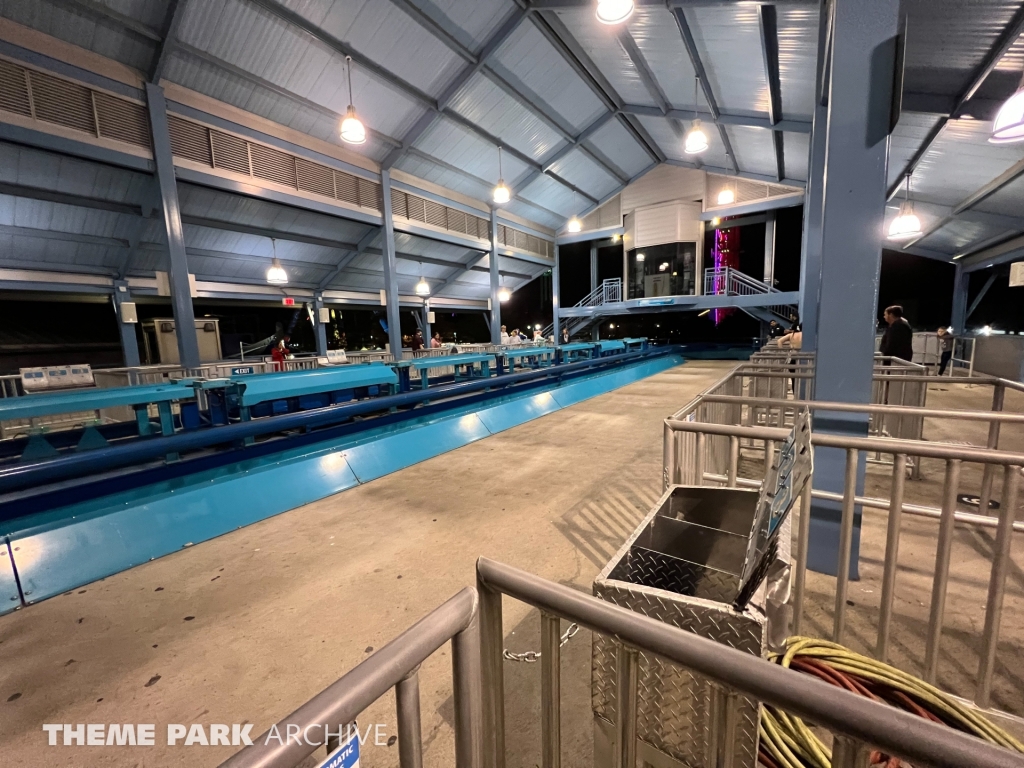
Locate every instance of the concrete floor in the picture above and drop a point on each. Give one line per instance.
(247, 627)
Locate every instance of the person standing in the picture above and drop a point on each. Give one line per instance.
(946, 341)
(435, 343)
(565, 334)
(504, 336)
(898, 339)
(417, 341)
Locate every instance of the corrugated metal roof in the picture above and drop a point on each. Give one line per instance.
(455, 145)
(960, 161)
(910, 132)
(795, 148)
(671, 141)
(958, 234)
(798, 55)
(598, 40)
(754, 148)
(490, 107)
(475, 18)
(1008, 201)
(614, 141)
(728, 39)
(656, 35)
(581, 171)
(542, 69)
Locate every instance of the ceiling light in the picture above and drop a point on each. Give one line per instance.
(1009, 124)
(726, 197)
(696, 140)
(614, 11)
(422, 288)
(716, 221)
(352, 129)
(275, 273)
(663, 266)
(504, 294)
(906, 225)
(502, 194)
(641, 256)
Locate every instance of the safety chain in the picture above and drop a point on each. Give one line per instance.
(531, 656)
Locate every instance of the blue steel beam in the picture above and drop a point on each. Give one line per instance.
(864, 44)
(169, 39)
(958, 315)
(495, 281)
(810, 246)
(556, 289)
(319, 327)
(725, 118)
(705, 84)
(390, 266)
(347, 259)
(1010, 250)
(768, 23)
(181, 298)
(981, 295)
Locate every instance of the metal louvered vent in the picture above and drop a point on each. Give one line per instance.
(214, 148)
(744, 190)
(55, 100)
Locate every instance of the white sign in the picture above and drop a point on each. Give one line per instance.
(345, 756)
(1017, 274)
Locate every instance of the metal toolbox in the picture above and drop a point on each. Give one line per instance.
(713, 561)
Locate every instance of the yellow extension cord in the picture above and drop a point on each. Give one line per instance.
(793, 744)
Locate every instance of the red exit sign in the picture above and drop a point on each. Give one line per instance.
(288, 301)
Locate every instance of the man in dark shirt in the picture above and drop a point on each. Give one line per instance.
(898, 339)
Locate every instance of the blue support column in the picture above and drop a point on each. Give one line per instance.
(810, 257)
(863, 56)
(495, 281)
(319, 326)
(425, 312)
(555, 288)
(961, 282)
(129, 341)
(390, 269)
(595, 332)
(181, 294)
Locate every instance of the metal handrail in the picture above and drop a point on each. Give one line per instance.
(472, 621)
(855, 720)
(393, 666)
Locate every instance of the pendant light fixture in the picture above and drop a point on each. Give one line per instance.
(1009, 124)
(422, 287)
(695, 141)
(574, 224)
(906, 224)
(504, 294)
(502, 194)
(727, 196)
(614, 11)
(276, 274)
(352, 129)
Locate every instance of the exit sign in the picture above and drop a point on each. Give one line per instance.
(288, 301)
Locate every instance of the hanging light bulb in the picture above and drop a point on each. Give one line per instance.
(726, 197)
(641, 257)
(574, 224)
(502, 194)
(695, 141)
(614, 11)
(906, 224)
(422, 288)
(504, 294)
(275, 273)
(352, 129)
(1009, 124)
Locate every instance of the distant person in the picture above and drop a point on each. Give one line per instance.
(946, 341)
(898, 339)
(537, 336)
(417, 341)
(280, 353)
(775, 330)
(565, 334)
(435, 343)
(504, 335)
(794, 322)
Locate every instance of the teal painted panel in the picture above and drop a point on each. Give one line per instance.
(507, 415)
(10, 599)
(124, 532)
(390, 454)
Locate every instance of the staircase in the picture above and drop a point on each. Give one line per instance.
(608, 292)
(727, 281)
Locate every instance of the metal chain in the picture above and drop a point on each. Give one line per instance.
(531, 656)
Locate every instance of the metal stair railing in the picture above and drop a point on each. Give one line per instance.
(608, 292)
(472, 620)
(726, 281)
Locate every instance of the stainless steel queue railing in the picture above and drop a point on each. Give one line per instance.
(472, 620)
